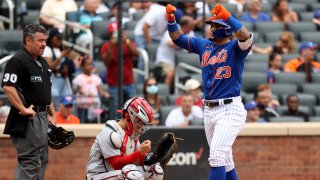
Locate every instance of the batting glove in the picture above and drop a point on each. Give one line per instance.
(220, 12)
(171, 10)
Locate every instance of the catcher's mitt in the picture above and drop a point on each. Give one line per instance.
(165, 148)
(58, 137)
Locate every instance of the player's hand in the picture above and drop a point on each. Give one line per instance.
(28, 112)
(220, 12)
(171, 10)
(145, 147)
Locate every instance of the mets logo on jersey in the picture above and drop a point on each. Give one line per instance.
(221, 57)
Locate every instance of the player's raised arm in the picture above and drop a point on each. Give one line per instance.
(220, 12)
(173, 28)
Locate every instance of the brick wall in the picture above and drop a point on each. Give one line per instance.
(284, 157)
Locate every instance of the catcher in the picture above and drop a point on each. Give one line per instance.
(117, 153)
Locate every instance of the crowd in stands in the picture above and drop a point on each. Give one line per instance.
(286, 42)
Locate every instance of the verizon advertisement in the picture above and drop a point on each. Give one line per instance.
(190, 162)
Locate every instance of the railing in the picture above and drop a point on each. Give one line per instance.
(145, 57)
(9, 20)
(5, 59)
(76, 26)
(183, 66)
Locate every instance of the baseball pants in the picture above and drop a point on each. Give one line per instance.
(33, 149)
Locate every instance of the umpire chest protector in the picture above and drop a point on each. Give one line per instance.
(31, 78)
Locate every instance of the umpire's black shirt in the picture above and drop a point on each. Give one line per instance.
(31, 79)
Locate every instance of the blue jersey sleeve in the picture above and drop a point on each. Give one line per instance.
(192, 44)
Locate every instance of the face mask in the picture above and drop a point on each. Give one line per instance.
(152, 89)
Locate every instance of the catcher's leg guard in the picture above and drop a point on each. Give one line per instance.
(153, 172)
(131, 172)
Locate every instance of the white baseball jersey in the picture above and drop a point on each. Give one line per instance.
(103, 148)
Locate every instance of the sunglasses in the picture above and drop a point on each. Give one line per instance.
(152, 84)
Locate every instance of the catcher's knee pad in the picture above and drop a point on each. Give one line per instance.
(154, 172)
(131, 172)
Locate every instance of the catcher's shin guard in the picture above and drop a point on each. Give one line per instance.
(153, 172)
(131, 172)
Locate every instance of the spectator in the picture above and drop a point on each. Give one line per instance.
(193, 87)
(65, 113)
(4, 112)
(150, 28)
(165, 56)
(186, 114)
(253, 113)
(151, 94)
(293, 108)
(239, 3)
(274, 66)
(114, 17)
(61, 66)
(254, 14)
(109, 53)
(87, 15)
(282, 13)
(57, 10)
(273, 103)
(102, 8)
(89, 87)
(305, 62)
(316, 19)
(286, 44)
(135, 7)
(262, 98)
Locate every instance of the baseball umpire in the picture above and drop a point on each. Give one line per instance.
(27, 84)
(222, 62)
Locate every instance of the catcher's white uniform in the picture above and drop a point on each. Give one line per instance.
(106, 146)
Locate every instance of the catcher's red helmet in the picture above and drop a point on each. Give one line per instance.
(139, 114)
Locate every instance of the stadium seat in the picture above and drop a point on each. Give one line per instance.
(315, 6)
(257, 37)
(316, 110)
(100, 30)
(287, 57)
(248, 25)
(316, 78)
(290, 78)
(272, 37)
(31, 17)
(308, 100)
(310, 36)
(266, 7)
(314, 119)
(279, 89)
(258, 58)
(306, 16)
(311, 89)
(10, 42)
(232, 8)
(130, 25)
(188, 58)
(164, 112)
(282, 109)
(286, 119)
(304, 1)
(172, 99)
(138, 15)
(298, 27)
(298, 7)
(163, 89)
(264, 27)
(248, 97)
(256, 67)
(251, 80)
(197, 77)
(152, 52)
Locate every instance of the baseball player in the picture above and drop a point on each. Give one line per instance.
(117, 153)
(222, 62)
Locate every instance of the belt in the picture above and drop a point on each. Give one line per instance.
(41, 108)
(212, 104)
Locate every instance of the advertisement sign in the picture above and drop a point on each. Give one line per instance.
(190, 162)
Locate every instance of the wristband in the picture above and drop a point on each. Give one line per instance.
(173, 27)
(234, 23)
